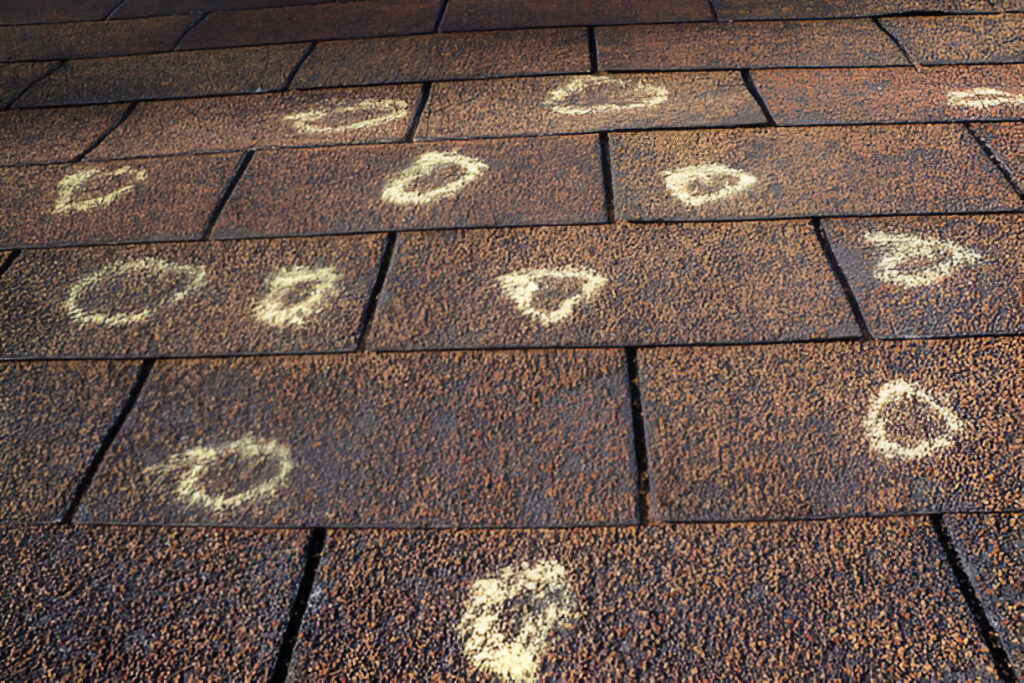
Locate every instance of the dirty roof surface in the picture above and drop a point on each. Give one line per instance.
(511, 339)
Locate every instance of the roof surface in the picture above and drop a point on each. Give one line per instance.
(512, 339)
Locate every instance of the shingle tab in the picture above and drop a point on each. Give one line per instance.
(135, 604)
(935, 275)
(53, 417)
(41, 136)
(140, 200)
(960, 39)
(442, 56)
(789, 431)
(474, 15)
(287, 119)
(44, 11)
(376, 440)
(1006, 140)
(584, 103)
(730, 10)
(205, 298)
(991, 548)
(165, 75)
(518, 181)
(865, 599)
(627, 285)
(791, 172)
(743, 45)
(884, 95)
(326, 21)
(91, 39)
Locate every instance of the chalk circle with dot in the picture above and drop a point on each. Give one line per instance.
(910, 261)
(377, 112)
(884, 409)
(522, 287)
(194, 278)
(983, 98)
(532, 598)
(642, 93)
(294, 294)
(401, 189)
(243, 456)
(704, 183)
(74, 194)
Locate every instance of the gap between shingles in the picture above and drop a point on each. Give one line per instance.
(897, 43)
(378, 284)
(606, 174)
(114, 11)
(592, 47)
(748, 81)
(6, 263)
(840, 276)
(105, 134)
(223, 199)
(440, 16)
(187, 31)
(421, 106)
(999, 657)
(643, 483)
(311, 562)
(994, 158)
(295, 70)
(108, 440)
(49, 72)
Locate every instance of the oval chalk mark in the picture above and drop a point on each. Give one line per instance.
(523, 286)
(294, 294)
(535, 599)
(193, 466)
(400, 188)
(634, 93)
(983, 98)
(379, 111)
(910, 261)
(945, 424)
(195, 279)
(77, 182)
(703, 183)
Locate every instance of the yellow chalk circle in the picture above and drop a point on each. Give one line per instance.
(535, 599)
(636, 93)
(240, 459)
(195, 277)
(78, 191)
(522, 286)
(983, 98)
(295, 294)
(703, 183)
(402, 188)
(383, 111)
(911, 261)
(880, 413)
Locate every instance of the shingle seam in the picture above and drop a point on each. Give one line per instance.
(963, 581)
(108, 440)
(840, 276)
(312, 554)
(223, 199)
(49, 72)
(991, 154)
(378, 285)
(188, 30)
(103, 136)
(298, 65)
(643, 482)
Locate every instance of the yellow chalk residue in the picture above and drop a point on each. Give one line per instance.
(397, 189)
(379, 111)
(983, 98)
(877, 433)
(74, 184)
(280, 307)
(196, 278)
(645, 94)
(192, 466)
(521, 287)
(546, 601)
(911, 261)
(687, 183)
